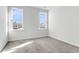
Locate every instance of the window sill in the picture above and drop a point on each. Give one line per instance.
(21, 29)
(43, 29)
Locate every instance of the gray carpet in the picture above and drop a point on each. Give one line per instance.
(40, 45)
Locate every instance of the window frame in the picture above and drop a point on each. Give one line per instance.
(11, 15)
(46, 20)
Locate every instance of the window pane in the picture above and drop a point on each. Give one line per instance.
(43, 19)
(16, 17)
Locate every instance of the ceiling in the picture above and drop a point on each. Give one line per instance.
(43, 7)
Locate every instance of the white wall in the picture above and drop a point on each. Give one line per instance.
(3, 27)
(64, 24)
(30, 23)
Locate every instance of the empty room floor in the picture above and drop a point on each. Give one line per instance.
(40, 45)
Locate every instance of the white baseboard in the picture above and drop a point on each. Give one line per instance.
(56, 37)
(3, 45)
(28, 38)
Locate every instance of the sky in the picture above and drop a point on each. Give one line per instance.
(42, 17)
(17, 15)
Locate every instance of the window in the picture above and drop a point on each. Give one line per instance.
(16, 18)
(43, 20)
